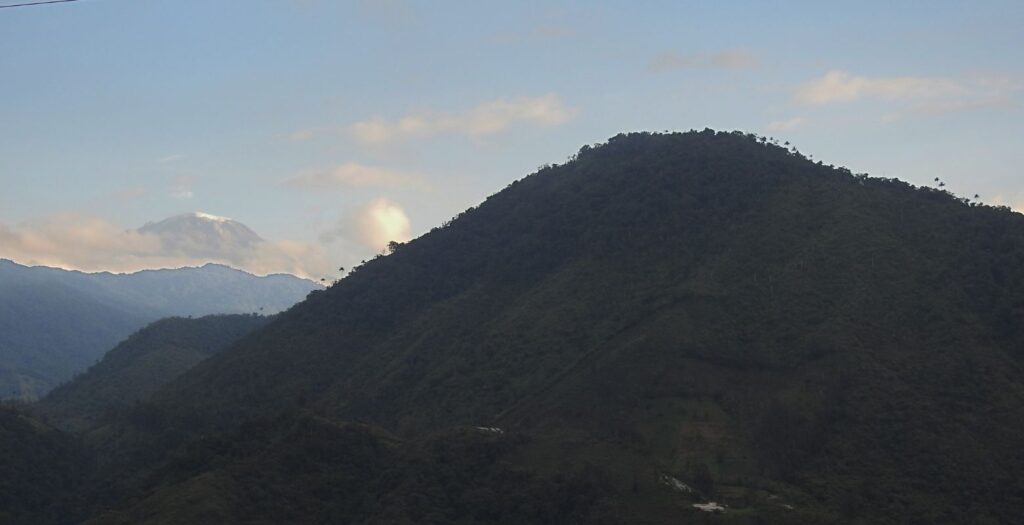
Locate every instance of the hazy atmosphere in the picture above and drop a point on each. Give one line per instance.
(331, 128)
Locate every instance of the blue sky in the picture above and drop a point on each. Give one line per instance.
(328, 127)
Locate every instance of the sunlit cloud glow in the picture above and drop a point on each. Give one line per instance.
(1012, 201)
(381, 222)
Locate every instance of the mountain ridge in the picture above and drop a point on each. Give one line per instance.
(35, 356)
(215, 265)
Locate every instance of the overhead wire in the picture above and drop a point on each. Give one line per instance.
(43, 2)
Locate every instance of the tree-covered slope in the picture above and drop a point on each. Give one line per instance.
(41, 470)
(303, 468)
(138, 366)
(694, 300)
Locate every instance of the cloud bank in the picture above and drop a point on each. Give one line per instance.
(87, 243)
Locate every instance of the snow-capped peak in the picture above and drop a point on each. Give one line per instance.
(210, 217)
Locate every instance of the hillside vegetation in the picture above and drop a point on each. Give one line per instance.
(664, 320)
(134, 369)
(41, 470)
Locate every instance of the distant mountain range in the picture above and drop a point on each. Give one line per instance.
(55, 323)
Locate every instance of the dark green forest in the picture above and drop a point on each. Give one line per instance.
(663, 320)
(136, 368)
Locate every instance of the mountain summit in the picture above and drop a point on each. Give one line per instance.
(202, 235)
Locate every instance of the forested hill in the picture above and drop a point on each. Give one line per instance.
(663, 320)
(138, 366)
(773, 259)
(686, 299)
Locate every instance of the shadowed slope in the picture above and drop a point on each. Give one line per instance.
(140, 365)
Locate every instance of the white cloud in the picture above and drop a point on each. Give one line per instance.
(354, 175)
(723, 59)
(381, 222)
(88, 243)
(840, 86)
(485, 119)
(170, 158)
(787, 124)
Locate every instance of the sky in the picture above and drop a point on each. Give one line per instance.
(330, 127)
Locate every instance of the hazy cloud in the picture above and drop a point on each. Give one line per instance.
(170, 158)
(840, 86)
(354, 175)
(302, 135)
(723, 59)
(485, 119)
(88, 243)
(181, 187)
(787, 124)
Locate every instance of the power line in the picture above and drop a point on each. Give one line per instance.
(37, 3)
